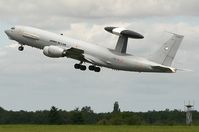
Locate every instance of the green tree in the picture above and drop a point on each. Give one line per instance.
(54, 116)
(116, 107)
(86, 109)
(77, 117)
(88, 115)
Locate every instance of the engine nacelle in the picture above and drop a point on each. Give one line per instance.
(53, 51)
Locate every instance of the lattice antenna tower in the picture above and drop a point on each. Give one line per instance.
(188, 109)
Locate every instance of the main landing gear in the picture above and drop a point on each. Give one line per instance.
(21, 48)
(94, 68)
(80, 66)
(83, 67)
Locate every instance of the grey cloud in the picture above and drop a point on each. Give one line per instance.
(101, 8)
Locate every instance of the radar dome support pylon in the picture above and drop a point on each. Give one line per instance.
(123, 34)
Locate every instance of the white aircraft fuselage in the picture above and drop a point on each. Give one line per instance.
(56, 45)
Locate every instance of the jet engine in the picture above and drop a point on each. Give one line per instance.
(53, 51)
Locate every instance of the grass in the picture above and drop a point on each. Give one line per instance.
(95, 128)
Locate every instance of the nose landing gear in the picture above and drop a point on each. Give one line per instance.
(21, 48)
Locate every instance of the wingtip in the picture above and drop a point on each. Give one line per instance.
(184, 70)
(179, 35)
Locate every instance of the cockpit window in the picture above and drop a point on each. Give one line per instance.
(13, 28)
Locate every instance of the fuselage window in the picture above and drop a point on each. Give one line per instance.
(13, 28)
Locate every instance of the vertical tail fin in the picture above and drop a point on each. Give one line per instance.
(167, 52)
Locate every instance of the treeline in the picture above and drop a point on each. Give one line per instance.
(86, 115)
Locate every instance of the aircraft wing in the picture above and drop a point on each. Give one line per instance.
(81, 56)
(75, 53)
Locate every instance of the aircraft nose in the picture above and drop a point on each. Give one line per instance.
(7, 32)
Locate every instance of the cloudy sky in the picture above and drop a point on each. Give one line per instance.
(31, 81)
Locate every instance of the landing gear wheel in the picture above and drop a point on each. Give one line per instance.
(82, 67)
(97, 69)
(94, 68)
(91, 68)
(77, 66)
(20, 48)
